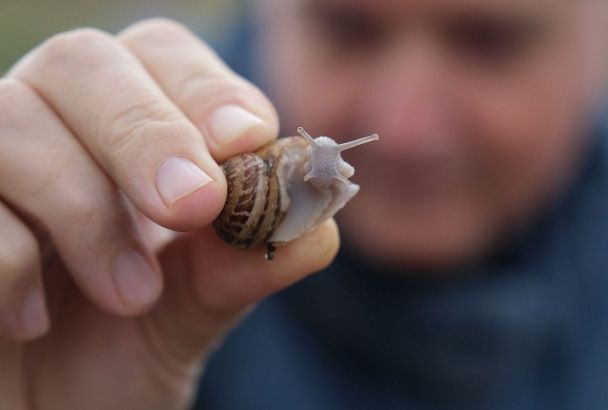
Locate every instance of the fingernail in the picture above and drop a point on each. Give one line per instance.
(230, 122)
(34, 319)
(178, 177)
(135, 280)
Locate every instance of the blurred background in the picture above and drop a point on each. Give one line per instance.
(26, 23)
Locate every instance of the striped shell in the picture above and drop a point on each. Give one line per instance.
(253, 203)
(284, 189)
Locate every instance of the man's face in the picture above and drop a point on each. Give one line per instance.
(480, 106)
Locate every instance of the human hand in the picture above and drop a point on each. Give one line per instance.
(108, 146)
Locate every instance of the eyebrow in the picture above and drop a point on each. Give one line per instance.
(325, 8)
(526, 15)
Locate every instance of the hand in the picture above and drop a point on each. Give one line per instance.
(108, 146)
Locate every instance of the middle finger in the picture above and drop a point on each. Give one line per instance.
(232, 114)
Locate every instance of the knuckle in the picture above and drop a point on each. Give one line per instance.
(74, 43)
(205, 91)
(208, 86)
(200, 89)
(137, 124)
(158, 28)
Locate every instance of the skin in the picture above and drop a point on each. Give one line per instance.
(78, 189)
(475, 138)
(88, 119)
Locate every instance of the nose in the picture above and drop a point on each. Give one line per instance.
(406, 98)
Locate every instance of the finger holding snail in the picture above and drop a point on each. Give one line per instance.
(232, 114)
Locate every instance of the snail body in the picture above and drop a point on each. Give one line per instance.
(284, 189)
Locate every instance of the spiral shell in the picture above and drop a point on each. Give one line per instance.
(253, 203)
(284, 189)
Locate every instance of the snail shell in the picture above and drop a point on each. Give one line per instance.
(284, 189)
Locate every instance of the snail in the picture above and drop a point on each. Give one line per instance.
(284, 189)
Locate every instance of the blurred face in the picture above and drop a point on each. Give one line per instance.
(481, 108)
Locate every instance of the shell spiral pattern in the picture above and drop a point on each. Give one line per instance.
(252, 209)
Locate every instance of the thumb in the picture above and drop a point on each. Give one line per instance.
(210, 286)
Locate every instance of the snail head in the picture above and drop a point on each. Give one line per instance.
(326, 163)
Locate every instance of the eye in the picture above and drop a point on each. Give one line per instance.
(345, 29)
(493, 39)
